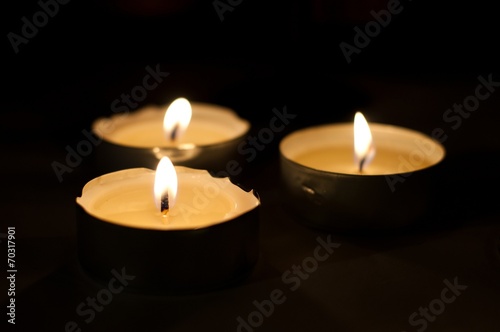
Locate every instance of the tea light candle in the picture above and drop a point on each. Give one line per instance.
(176, 229)
(192, 134)
(355, 175)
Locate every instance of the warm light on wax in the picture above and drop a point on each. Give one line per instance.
(165, 186)
(177, 118)
(364, 149)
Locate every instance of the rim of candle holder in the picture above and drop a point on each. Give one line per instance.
(157, 109)
(349, 125)
(134, 172)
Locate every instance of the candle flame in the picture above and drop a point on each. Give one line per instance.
(364, 150)
(165, 185)
(177, 118)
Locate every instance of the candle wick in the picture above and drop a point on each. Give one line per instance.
(361, 163)
(173, 135)
(164, 205)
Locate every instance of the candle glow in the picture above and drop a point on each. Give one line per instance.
(177, 118)
(364, 149)
(165, 186)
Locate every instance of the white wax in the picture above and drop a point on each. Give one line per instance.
(210, 124)
(126, 198)
(331, 148)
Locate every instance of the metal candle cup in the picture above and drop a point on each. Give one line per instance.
(324, 188)
(137, 139)
(208, 240)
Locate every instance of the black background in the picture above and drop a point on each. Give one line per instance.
(261, 56)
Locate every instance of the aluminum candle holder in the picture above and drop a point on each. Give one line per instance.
(210, 241)
(138, 139)
(324, 188)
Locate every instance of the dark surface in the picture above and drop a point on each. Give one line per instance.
(261, 57)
